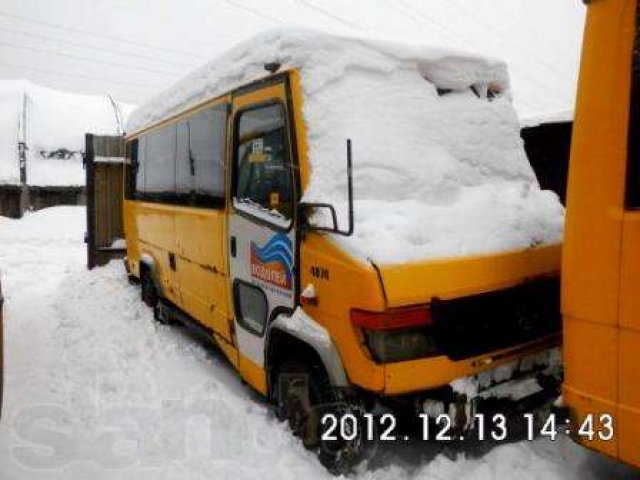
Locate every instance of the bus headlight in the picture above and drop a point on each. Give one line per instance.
(397, 335)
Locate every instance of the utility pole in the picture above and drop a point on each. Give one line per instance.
(22, 158)
(118, 114)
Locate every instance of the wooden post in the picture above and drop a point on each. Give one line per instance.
(89, 153)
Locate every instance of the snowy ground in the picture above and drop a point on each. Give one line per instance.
(96, 389)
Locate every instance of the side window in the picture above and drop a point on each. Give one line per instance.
(159, 168)
(184, 170)
(262, 177)
(140, 173)
(182, 163)
(207, 134)
(133, 168)
(633, 162)
(251, 307)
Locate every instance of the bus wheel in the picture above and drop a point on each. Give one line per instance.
(148, 291)
(150, 297)
(304, 397)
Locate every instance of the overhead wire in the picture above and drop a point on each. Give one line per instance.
(77, 75)
(253, 11)
(331, 15)
(417, 16)
(96, 48)
(87, 59)
(499, 35)
(413, 13)
(127, 41)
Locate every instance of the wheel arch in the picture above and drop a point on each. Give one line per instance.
(309, 341)
(149, 264)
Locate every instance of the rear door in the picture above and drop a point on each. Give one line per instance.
(261, 234)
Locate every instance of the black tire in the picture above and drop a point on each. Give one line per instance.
(304, 395)
(150, 297)
(162, 314)
(148, 292)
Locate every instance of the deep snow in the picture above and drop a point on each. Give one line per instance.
(439, 166)
(125, 398)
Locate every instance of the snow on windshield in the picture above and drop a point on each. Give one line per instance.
(439, 166)
(436, 173)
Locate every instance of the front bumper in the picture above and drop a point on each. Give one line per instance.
(520, 385)
(420, 375)
(524, 385)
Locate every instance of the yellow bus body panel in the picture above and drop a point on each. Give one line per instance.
(601, 278)
(353, 284)
(417, 282)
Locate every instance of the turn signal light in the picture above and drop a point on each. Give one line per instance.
(392, 319)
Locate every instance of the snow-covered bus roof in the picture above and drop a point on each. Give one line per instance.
(439, 164)
(322, 57)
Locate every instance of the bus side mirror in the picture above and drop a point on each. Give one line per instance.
(305, 210)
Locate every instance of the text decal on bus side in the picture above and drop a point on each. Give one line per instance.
(273, 262)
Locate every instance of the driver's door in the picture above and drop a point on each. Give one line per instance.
(261, 221)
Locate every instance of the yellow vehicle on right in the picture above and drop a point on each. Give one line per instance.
(601, 255)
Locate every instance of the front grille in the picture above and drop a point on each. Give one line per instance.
(478, 324)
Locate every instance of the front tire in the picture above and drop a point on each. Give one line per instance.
(304, 396)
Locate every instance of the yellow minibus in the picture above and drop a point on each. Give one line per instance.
(601, 258)
(354, 223)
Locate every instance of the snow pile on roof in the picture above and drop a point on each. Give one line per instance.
(56, 123)
(439, 165)
(323, 58)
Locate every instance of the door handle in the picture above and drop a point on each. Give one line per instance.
(233, 246)
(172, 261)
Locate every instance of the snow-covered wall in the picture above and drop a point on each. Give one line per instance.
(10, 108)
(54, 121)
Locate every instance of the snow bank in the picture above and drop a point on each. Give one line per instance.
(439, 165)
(126, 396)
(10, 106)
(95, 388)
(60, 224)
(55, 121)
